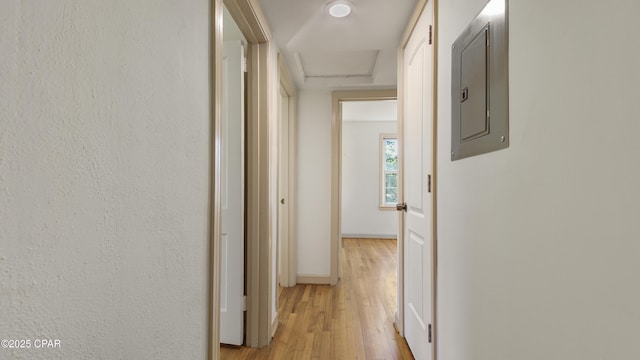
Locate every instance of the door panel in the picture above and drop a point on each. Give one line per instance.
(417, 148)
(415, 244)
(232, 246)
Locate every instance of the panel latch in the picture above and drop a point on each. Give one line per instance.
(464, 95)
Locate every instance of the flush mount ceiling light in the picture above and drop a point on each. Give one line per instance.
(339, 9)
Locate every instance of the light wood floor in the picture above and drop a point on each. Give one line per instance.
(352, 320)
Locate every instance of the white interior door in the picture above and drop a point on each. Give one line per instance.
(283, 191)
(417, 152)
(232, 246)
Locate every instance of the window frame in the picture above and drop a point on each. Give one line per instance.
(382, 172)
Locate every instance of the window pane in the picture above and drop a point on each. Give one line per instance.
(391, 180)
(391, 154)
(391, 195)
(389, 171)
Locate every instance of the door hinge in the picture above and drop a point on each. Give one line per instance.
(429, 182)
(430, 34)
(244, 64)
(430, 337)
(244, 303)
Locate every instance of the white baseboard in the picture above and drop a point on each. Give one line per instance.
(369, 236)
(313, 279)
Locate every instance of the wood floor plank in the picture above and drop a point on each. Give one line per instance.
(352, 320)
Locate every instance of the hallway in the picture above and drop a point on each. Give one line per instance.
(353, 320)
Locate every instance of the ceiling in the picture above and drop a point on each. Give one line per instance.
(322, 52)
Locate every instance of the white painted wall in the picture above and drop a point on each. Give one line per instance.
(313, 205)
(538, 244)
(104, 172)
(378, 110)
(361, 214)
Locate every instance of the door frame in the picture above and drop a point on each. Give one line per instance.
(287, 253)
(399, 316)
(336, 165)
(252, 22)
(215, 203)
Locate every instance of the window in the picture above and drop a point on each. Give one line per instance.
(389, 171)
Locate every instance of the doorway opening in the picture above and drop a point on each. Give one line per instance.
(286, 230)
(338, 99)
(258, 184)
(369, 188)
(369, 169)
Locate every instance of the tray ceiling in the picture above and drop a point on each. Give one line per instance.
(356, 51)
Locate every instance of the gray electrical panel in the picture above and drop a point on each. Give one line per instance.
(480, 84)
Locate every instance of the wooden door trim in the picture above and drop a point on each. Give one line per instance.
(250, 19)
(213, 280)
(336, 164)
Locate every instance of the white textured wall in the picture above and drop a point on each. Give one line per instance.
(539, 243)
(104, 168)
(313, 206)
(361, 214)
